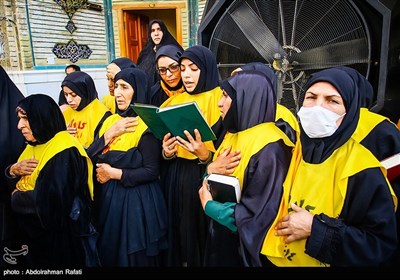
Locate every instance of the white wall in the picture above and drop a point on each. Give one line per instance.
(49, 81)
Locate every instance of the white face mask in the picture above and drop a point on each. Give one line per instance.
(318, 122)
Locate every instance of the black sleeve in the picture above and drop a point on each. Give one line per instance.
(62, 179)
(365, 233)
(100, 124)
(149, 171)
(11, 181)
(261, 196)
(383, 141)
(96, 148)
(23, 202)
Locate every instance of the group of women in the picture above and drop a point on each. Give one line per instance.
(93, 188)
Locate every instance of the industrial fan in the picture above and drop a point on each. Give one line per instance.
(295, 38)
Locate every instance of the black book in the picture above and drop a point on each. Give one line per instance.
(224, 188)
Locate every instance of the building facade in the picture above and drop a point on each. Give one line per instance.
(38, 38)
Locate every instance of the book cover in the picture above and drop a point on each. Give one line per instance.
(148, 113)
(175, 119)
(224, 188)
(392, 166)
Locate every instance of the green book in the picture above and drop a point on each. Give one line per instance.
(174, 119)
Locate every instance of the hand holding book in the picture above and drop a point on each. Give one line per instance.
(224, 188)
(175, 119)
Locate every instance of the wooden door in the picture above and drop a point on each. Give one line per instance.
(135, 33)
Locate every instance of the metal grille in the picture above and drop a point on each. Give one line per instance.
(295, 38)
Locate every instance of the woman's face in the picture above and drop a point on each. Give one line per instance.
(169, 70)
(23, 125)
(72, 98)
(123, 93)
(224, 104)
(190, 74)
(156, 33)
(110, 84)
(325, 95)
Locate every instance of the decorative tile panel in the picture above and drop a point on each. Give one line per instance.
(72, 51)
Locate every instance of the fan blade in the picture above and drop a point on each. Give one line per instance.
(338, 54)
(257, 32)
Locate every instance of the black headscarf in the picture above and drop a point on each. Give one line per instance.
(207, 63)
(364, 86)
(253, 100)
(44, 116)
(267, 71)
(124, 62)
(173, 52)
(11, 139)
(83, 85)
(147, 57)
(316, 150)
(138, 79)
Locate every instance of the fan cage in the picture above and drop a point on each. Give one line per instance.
(316, 26)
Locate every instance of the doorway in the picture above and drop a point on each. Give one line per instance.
(133, 20)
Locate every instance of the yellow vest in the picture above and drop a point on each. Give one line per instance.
(109, 101)
(324, 193)
(368, 121)
(250, 142)
(125, 141)
(285, 114)
(85, 121)
(208, 104)
(44, 152)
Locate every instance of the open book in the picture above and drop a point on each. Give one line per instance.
(224, 188)
(392, 165)
(174, 119)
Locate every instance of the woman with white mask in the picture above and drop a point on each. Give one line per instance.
(338, 209)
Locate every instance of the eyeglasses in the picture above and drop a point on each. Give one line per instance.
(172, 69)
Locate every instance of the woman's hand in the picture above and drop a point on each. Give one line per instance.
(105, 172)
(169, 145)
(124, 125)
(296, 225)
(23, 167)
(72, 130)
(194, 145)
(225, 163)
(204, 194)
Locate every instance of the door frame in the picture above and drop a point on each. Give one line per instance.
(122, 7)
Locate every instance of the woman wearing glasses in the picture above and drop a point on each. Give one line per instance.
(158, 35)
(167, 63)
